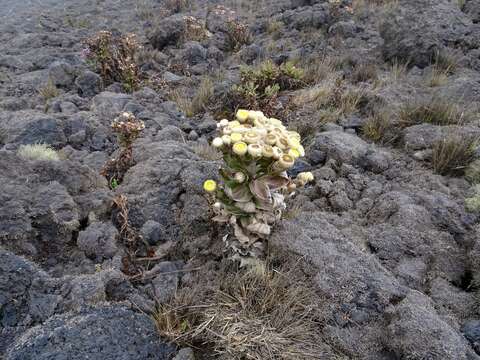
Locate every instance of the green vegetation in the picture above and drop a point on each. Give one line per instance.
(114, 57)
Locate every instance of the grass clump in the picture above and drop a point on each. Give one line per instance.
(364, 72)
(38, 152)
(378, 128)
(257, 314)
(434, 111)
(200, 101)
(114, 57)
(453, 154)
(49, 90)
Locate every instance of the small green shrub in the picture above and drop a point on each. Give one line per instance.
(453, 154)
(259, 86)
(114, 56)
(38, 152)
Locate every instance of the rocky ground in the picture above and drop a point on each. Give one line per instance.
(393, 250)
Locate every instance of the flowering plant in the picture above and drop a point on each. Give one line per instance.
(128, 128)
(257, 152)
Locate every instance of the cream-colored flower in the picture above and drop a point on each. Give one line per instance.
(255, 150)
(239, 177)
(233, 124)
(282, 143)
(275, 122)
(270, 139)
(227, 130)
(294, 134)
(277, 153)
(242, 115)
(267, 151)
(226, 139)
(252, 137)
(236, 137)
(223, 122)
(240, 148)
(217, 205)
(217, 142)
(285, 162)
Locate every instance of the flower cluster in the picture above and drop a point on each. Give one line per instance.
(127, 127)
(257, 152)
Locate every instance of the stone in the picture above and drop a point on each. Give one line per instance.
(108, 333)
(99, 240)
(61, 73)
(88, 84)
(45, 130)
(152, 232)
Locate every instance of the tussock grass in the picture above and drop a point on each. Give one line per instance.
(207, 152)
(397, 71)
(379, 128)
(198, 103)
(453, 154)
(364, 72)
(38, 152)
(434, 111)
(49, 90)
(257, 314)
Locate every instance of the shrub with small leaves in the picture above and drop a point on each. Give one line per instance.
(114, 57)
(257, 152)
(128, 128)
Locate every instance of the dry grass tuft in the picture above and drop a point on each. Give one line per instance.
(379, 128)
(318, 69)
(364, 73)
(200, 101)
(38, 152)
(397, 71)
(434, 111)
(207, 152)
(258, 314)
(49, 91)
(453, 154)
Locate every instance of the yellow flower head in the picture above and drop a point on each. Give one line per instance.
(210, 185)
(236, 137)
(294, 153)
(240, 148)
(242, 115)
(293, 142)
